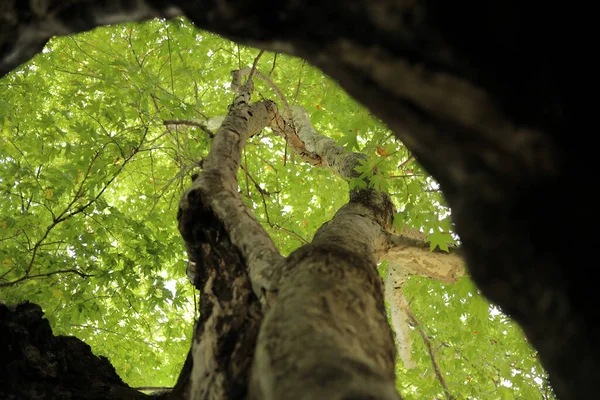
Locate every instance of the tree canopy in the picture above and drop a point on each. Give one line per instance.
(101, 134)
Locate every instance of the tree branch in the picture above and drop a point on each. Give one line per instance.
(436, 367)
(217, 188)
(190, 123)
(415, 256)
(394, 294)
(38, 276)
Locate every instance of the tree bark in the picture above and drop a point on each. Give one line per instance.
(229, 255)
(325, 332)
(38, 365)
(327, 335)
(485, 95)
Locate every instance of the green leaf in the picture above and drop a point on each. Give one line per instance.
(349, 141)
(398, 222)
(440, 240)
(505, 393)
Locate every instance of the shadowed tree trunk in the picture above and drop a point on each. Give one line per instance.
(484, 94)
(38, 365)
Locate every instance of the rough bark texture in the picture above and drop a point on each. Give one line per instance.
(327, 336)
(325, 333)
(230, 314)
(224, 242)
(328, 330)
(35, 364)
(216, 189)
(406, 253)
(484, 93)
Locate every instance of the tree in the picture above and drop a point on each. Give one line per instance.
(125, 274)
(512, 160)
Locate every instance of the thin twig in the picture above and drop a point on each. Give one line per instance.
(190, 123)
(137, 60)
(299, 82)
(268, 81)
(274, 63)
(170, 59)
(60, 271)
(6, 273)
(405, 175)
(291, 232)
(68, 212)
(256, 185)
(255, 63)
(262, 196)
(436, 367)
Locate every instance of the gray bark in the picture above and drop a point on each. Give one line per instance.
(327, 335)
(394, 296)
(230, 257)
(325, 332)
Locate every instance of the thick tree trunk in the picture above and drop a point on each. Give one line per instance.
(327, 335)
(224, 242)
(325, 332)
(483, 93)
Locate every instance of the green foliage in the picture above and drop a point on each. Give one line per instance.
(91, 180)
(480, 352)
(91, 177)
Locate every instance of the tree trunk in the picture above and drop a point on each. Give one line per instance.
(326, 336)
(325, 332)
(483, 93)
(35, 364)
